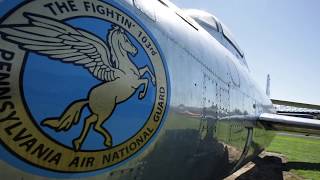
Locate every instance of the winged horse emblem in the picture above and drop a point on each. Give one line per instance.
(107, 61)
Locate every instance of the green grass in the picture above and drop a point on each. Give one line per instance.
(299, 149)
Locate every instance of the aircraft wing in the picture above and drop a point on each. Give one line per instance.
(295, 104)
(296, 109)
(293, 117)
(290, 123)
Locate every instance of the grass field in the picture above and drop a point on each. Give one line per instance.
(303, 154)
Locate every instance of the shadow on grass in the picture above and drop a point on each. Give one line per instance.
(302, 166)
(271, 167)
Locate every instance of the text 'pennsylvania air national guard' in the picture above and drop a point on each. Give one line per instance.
(108, 62)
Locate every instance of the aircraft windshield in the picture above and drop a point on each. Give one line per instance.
(227, 33)
(203, 17)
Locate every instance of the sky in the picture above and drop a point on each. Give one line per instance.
(280, 38)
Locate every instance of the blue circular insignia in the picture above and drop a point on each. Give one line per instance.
(89, 85)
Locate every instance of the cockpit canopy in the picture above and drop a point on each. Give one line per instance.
(218, 30)
(203, 18)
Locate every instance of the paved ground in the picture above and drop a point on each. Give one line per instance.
(266, 167)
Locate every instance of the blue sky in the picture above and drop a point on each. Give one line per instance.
(278, 37)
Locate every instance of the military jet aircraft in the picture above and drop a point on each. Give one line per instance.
(127, 89)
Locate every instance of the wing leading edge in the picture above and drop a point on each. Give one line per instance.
(290, 123)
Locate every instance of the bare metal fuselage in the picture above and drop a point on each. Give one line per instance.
(202, 138)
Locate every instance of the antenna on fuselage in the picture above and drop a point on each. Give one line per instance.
(268, 86)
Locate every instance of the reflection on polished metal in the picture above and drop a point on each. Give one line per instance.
(123, 90)
(295, 124)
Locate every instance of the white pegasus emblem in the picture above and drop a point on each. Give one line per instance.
(107, 61)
